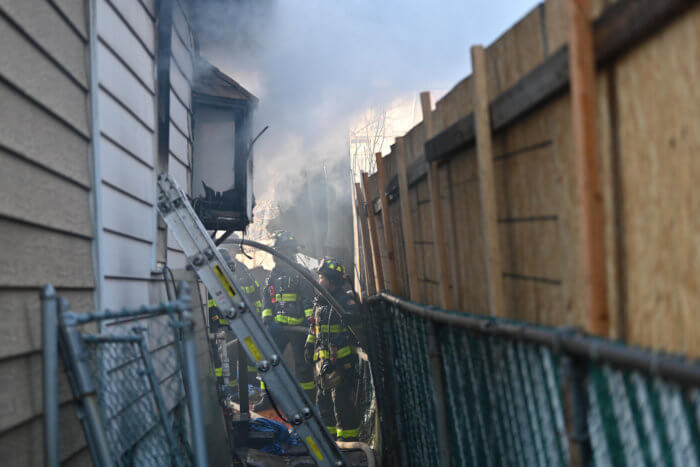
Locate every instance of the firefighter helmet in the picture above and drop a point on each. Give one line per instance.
(285, 240)
(332, 269)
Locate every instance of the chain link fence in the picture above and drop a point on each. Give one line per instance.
(457, 389)
(135, 381)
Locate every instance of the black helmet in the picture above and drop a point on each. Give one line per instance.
(332, 269)
(284, 240)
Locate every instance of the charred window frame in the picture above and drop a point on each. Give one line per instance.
(222, 166)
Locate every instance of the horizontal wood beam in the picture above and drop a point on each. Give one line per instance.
(620, 27)
(625, 23)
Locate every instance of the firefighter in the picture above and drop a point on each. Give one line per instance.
(287, 306)
(250, 287)
(332, 349)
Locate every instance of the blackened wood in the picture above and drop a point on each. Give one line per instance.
(451, 140)
(628, 22)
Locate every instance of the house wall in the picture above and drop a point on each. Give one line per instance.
(133, 237)
(45, 223)
(46, 219)
(126, 53)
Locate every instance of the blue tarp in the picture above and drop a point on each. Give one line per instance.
(283, 438)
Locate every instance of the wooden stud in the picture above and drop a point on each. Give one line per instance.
(388, 230)
(584, 113)
(374, 239)
(356, 247)
(487, 189)
(436, 209)
(407, 222)
(370, 286)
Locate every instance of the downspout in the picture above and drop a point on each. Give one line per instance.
(163, 59)
(95, 162)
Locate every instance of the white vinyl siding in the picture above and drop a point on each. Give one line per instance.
(127, 120)
(45, 223)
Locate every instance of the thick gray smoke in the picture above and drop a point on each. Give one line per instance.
(316, 65)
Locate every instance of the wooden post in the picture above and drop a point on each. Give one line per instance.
(374, 240)
(386, 219)
(584, 112)
(407, 222)
(487, 189)
(356, 240)
(436, 209)
(370, 286)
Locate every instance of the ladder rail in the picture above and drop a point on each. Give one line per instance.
(215, 274)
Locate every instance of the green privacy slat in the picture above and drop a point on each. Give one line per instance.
(626, 428)
(505, 405)
(524, 428)
(459, 417)
(550, 365)
(417, 410)
(607, 413)
(675, 412)
(501, 454)
(596, 428)
(475, 399)
(641, 409)
(552, 454)
(507, 394)
(532, 413)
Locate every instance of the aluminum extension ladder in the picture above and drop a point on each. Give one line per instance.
(213, 271)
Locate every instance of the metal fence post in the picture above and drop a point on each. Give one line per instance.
(191, 377)
(575, 397)
(49, 311)
(83, 387)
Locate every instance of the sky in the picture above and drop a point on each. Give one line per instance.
(318, 65)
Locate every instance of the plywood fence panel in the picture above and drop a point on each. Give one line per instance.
(413, 142)
(390, 167)
(457, 270)
(427, 274)
(531, 250)
(528, 189)
(381, 239)
(515, 53)
(557, 23)
(399, 249)
(450, 237)
(527, 181)
(455, 104)
(649, 166)
(520, 298)
(466, 214)
(559, 112)
(659, 137)
(417, 227)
